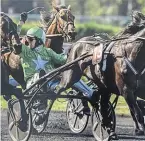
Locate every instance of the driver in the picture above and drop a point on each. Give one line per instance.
(36, 57)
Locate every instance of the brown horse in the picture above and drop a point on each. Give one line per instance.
(118, 77)
(13, 66)
(59, 26)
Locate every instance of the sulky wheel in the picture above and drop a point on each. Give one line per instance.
(38, 129)
(77, 120)
(100, 132)
(18, 130)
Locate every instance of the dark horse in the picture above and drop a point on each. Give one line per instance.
(58, 25)
(117, 77)
(11, 60)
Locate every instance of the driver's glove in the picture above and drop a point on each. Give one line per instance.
(23, 16)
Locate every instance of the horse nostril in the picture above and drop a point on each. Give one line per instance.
(72, 33)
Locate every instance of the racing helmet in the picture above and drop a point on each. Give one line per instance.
(38, 33)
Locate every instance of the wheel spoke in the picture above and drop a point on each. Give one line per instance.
(34, 118)
(82, 121)
(17, 133)
(11, 125)
(95, 126)
(75, 121)
(76, 108)
(101, 133)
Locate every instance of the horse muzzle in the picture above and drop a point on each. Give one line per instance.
(72, 35)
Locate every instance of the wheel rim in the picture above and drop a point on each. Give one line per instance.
(77, 121)
(15, 132)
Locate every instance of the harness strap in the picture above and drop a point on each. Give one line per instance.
(130, 66)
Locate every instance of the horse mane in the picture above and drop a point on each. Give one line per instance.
(46, 18)
(129, 32)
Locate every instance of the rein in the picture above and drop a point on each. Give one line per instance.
(109, 41)
(66, 23)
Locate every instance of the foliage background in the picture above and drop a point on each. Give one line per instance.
(86, 29)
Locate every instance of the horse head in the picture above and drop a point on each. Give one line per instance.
(62, 23)
(7, 27)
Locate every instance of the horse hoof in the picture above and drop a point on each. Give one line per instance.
(138, 132)
(113, 136)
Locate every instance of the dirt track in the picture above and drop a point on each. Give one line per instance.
(58, 130)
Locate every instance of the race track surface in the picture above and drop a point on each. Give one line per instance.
(58, 130)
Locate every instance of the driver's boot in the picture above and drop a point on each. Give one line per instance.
(86, 109)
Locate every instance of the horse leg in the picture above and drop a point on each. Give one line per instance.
(105, 97)
(138, 131)
(135, 111)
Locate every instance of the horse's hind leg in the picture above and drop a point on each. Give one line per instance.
(135, 111)
(138, 131)
(105, 97)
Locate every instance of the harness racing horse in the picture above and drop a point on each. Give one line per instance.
(11, 60)
(124, 58)
(60, 26)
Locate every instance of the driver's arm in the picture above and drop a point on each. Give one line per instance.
(57, 58)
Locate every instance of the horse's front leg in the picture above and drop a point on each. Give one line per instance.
(135, 111)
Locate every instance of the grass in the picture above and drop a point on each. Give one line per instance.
(60, 105)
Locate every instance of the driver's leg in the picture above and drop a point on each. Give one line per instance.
(88, 92)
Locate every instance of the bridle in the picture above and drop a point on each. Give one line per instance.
(65, 23)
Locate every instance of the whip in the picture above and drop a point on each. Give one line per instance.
(35, 9)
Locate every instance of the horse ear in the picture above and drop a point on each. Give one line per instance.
(69, 7)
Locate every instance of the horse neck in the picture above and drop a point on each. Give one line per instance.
(138, 51)
(52, 29)
(55, 43)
